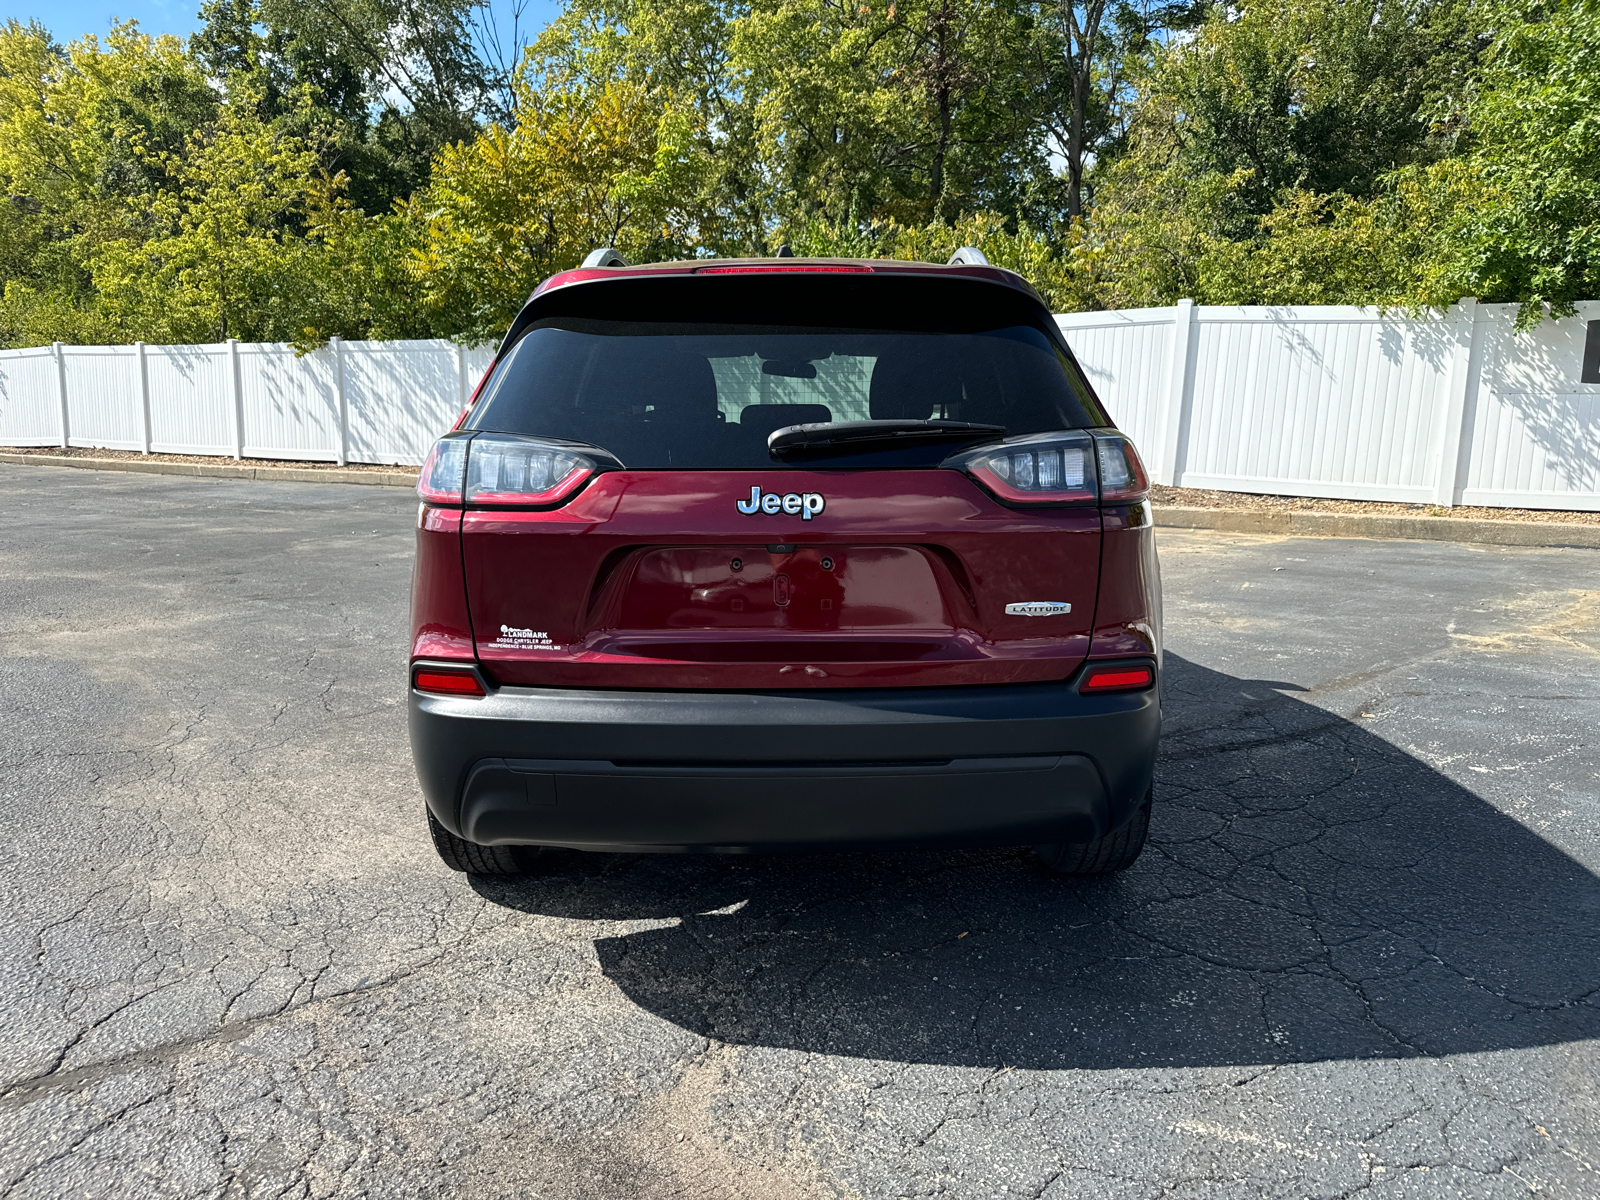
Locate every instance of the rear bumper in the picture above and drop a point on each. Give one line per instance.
(626, 770)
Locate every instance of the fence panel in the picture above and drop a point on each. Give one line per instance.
(1346, 405)
(1534, 429)
(478, 361)
(191, 399)
(30, 409)
(290, 403)
(401, 396)
(103, 397)
(1128, 357)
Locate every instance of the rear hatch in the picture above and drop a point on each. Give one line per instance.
(634, 518)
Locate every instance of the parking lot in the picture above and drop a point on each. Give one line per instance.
(1361, 957)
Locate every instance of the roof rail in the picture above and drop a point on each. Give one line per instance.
(605, 257)
(968, 256)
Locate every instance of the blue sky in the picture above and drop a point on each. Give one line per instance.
(69, 19)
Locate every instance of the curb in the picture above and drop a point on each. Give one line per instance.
(1365, 525)
(396, 478)
(1292, 523)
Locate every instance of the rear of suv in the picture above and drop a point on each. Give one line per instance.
(785, 554)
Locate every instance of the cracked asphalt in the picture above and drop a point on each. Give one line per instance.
(1361, 956)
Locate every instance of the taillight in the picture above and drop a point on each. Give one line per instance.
(443, 472)
(501, 470)
(1122, 475)
(1073, 467)
(523, 471)
(448, 681)
(1119, 678)
(1043, 469)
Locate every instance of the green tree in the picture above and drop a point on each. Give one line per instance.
(1286, 154)
(70, 119)
(391, 81)
(1323, 96)
(910, 109)
(1531, 230)
(903, 109)
(679, 51)
(223, 256)
(1023, 249)
(252, 239)
(1087, 54)
(578, 170)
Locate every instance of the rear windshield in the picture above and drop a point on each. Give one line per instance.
(709, 396)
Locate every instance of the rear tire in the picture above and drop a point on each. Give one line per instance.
(1115, 852)
(462, 855)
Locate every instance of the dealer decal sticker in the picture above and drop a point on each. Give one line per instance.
(512, 638)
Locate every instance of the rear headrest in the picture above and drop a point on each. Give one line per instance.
(636, 371)
(906, 384)
(767, 417)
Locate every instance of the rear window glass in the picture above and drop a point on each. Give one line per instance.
(708, 397)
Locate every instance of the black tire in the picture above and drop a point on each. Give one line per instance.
(1115, 852)
(462, 855)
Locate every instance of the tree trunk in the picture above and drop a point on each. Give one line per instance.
(1077, 135)
(941, 148)
(943, 73)
(1082, 30)
(222, 281)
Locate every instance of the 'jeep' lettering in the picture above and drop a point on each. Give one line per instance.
(806, 504)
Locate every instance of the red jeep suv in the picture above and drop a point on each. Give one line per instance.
(738, 555)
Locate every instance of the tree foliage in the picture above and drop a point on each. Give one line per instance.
(576, 170)
(305, 168)
(1530, 230)
(71, 122)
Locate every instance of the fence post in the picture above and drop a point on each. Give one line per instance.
(238, 400)
(461, 375)
(1179, 399)
(144, 395)
(1465, 364)
(343, 448)
(61, 392)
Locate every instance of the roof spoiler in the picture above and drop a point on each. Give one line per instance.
(607, 257)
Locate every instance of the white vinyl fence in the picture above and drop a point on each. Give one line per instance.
(371, 402)
(1354, 404)
(1311, 401)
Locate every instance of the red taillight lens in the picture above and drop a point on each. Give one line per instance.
(1048, 469)
(504, 470)
(1117, 679)
(1122, 475)
(441, 478)
(447, 682)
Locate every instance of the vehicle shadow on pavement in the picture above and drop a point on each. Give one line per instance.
(1310, 892)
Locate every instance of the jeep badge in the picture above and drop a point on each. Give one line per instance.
(806, 504)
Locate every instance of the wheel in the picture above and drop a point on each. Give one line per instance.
(1114, 852)
(462, 855)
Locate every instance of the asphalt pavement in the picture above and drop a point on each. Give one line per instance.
(1361, 956)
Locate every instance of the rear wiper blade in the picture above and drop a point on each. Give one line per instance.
(833, 438)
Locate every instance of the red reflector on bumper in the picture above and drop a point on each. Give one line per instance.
(1118, 679)
(449, 683)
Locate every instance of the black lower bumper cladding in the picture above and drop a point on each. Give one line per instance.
(732, 771)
